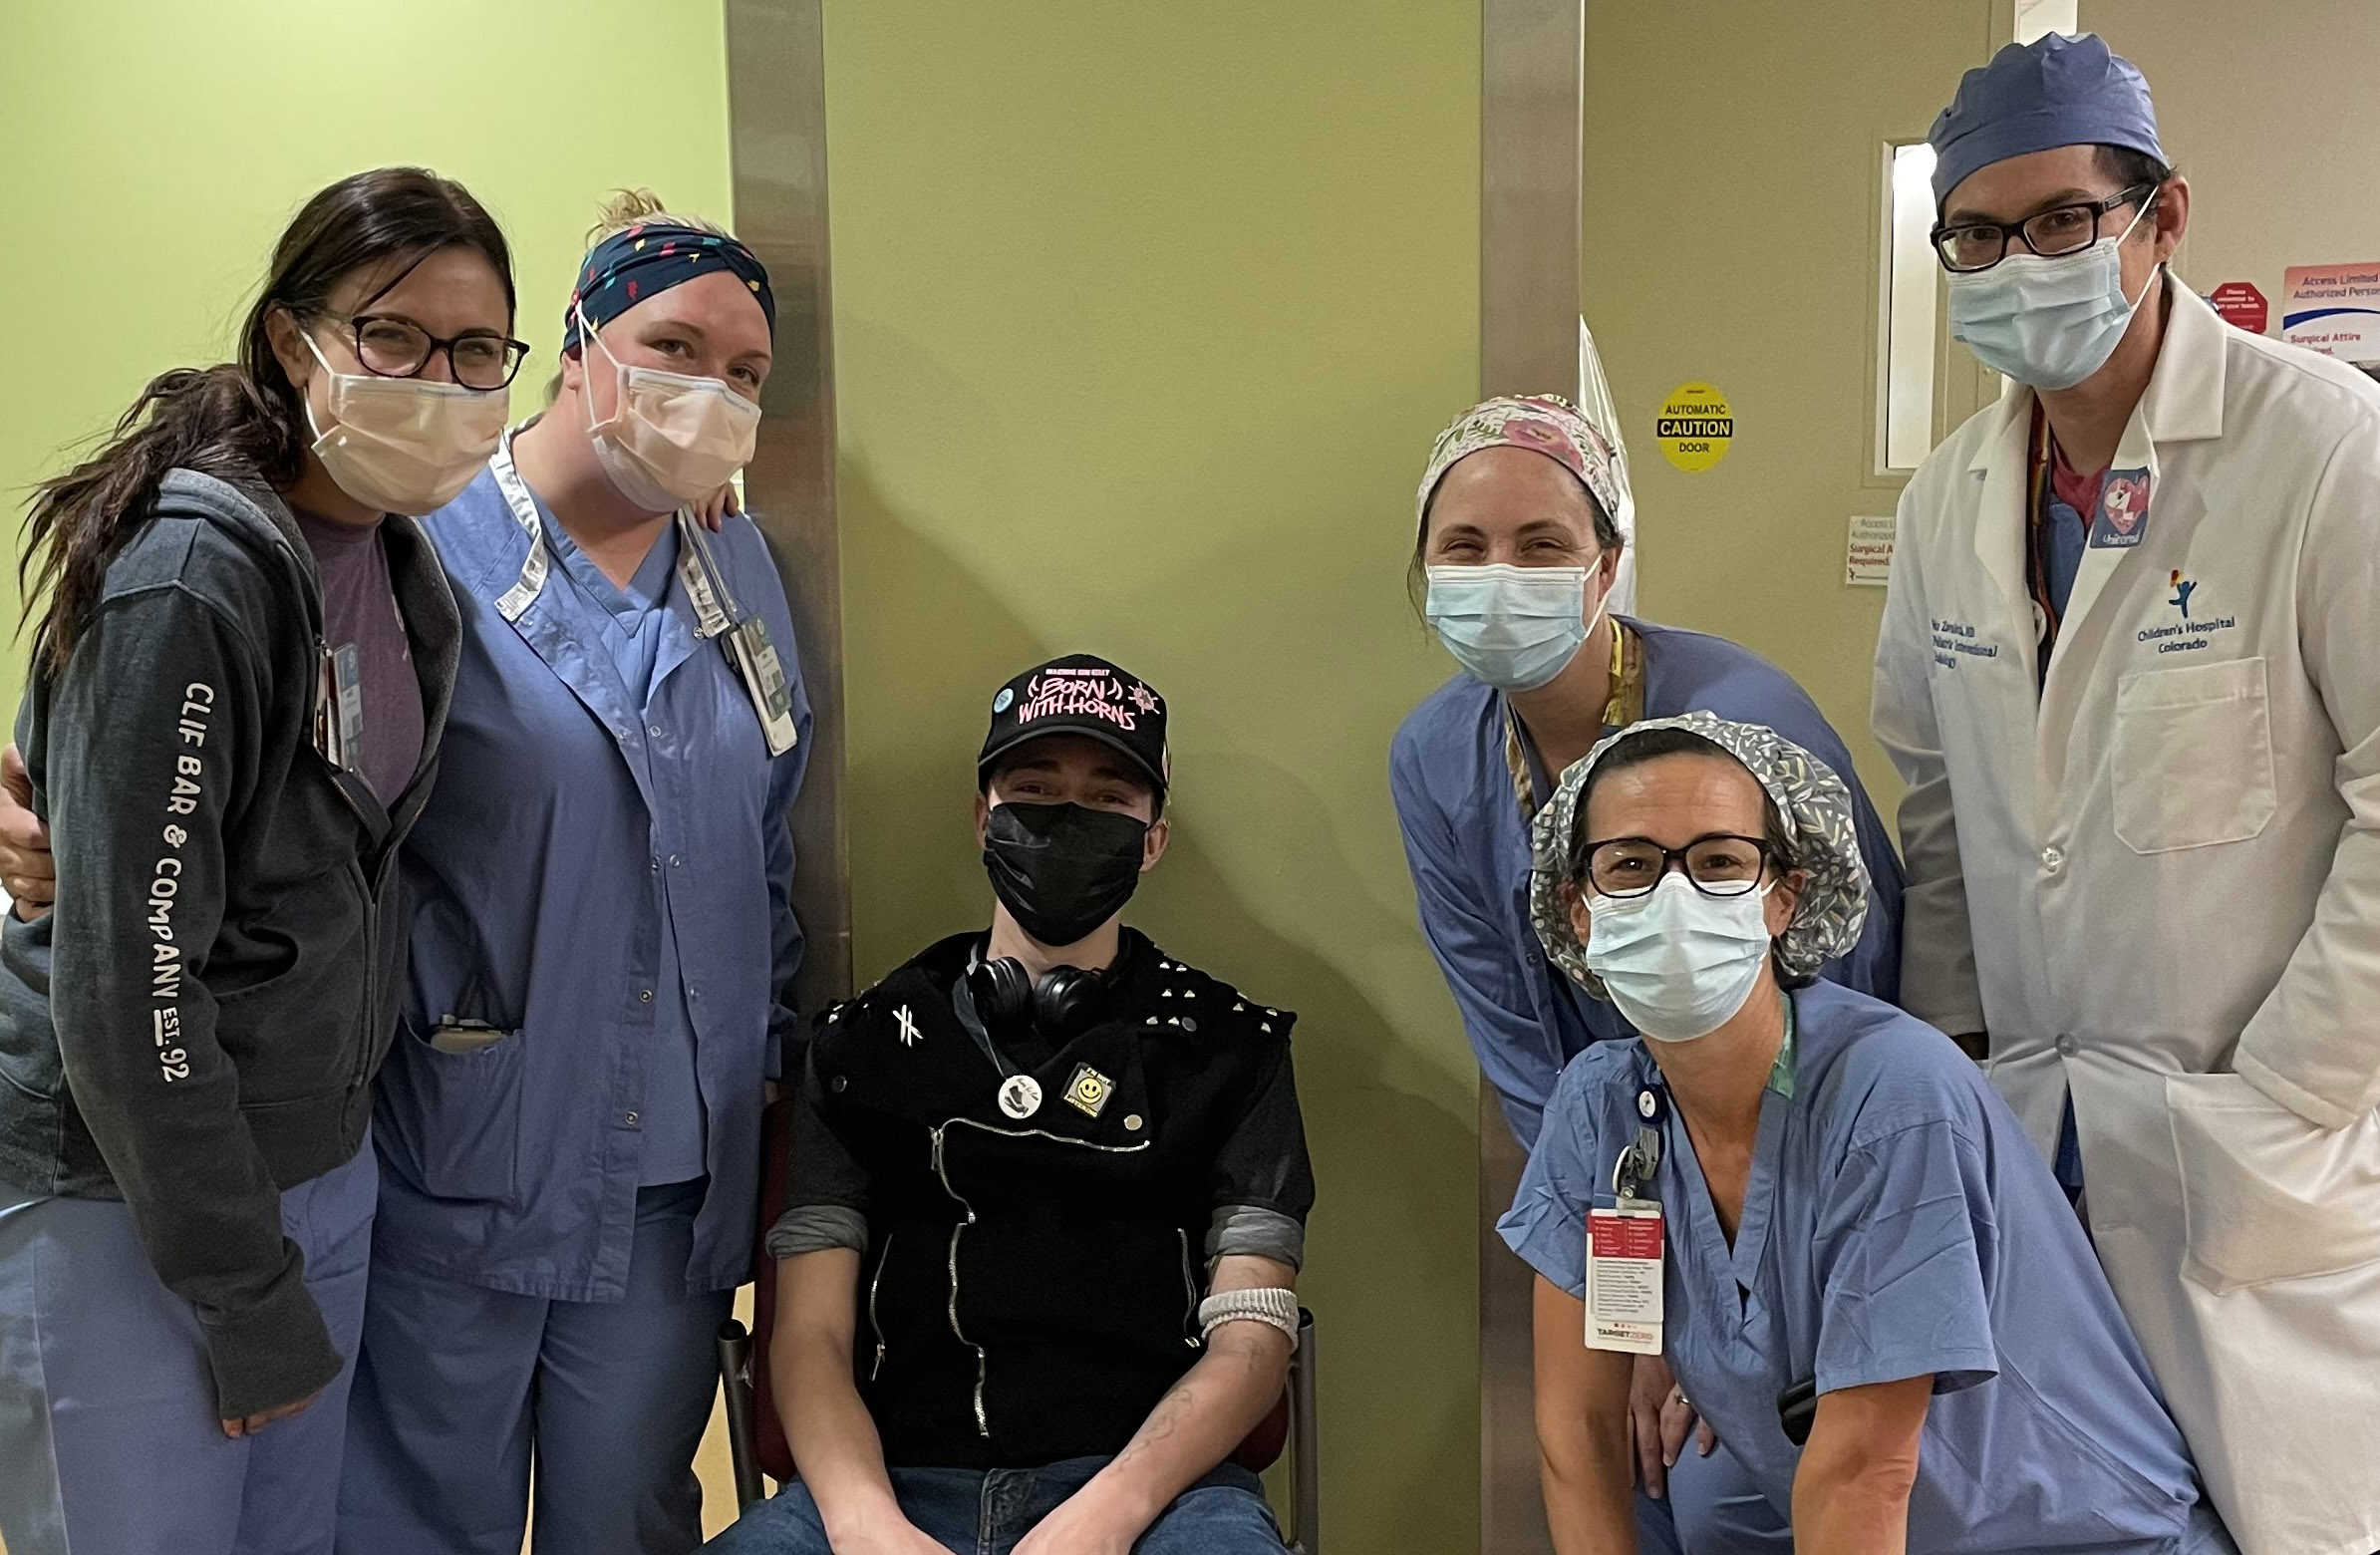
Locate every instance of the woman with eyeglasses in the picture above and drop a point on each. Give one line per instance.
(1864, 1278)
(243, 656)
(1515, 552)
(603, 946)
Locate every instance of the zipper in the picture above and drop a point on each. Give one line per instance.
(983, 1421)
(1190, 1336)
(1029, 1134)
(877, 1327)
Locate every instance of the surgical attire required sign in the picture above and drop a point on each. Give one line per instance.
(2333, 309)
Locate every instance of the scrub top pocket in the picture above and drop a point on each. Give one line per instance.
(451, 1122)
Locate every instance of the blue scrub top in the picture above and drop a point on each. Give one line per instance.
(582, 836)
(631, 622)
(1467, 843)
(1896, 1224)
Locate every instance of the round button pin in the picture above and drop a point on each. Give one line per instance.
(1021, 1097)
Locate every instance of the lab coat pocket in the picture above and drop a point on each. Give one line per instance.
(2193, 756)
(2267, 1195)
(449, 1120)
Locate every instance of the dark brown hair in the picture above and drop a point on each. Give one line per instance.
(239, 421)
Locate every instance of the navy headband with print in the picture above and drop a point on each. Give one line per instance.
(647, 260)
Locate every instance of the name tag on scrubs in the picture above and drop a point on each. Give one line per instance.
(1624, 1276)
(764, 680)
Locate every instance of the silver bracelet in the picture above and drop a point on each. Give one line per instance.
(1276, 1306)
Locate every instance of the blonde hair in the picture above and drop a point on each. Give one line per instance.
(625, 209)
(616, 212)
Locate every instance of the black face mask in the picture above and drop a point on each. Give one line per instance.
(1062, 870)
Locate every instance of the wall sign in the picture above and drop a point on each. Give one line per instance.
(1696, 426)
(2242, 305)
(1867, 558)
(2333, 309)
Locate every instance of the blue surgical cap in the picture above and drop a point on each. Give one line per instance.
(2037, 97)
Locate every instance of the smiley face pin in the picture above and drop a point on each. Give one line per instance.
(1088, 1091)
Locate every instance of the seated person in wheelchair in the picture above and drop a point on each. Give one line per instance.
(1047, 1198)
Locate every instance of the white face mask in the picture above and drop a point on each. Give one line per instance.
(672, 439)
(1678, 963)
(404, 444)
(2048, 323)
(1514, 628)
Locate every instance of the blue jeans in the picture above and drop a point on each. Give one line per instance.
(970, 1513)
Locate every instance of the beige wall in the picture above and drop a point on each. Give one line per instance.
(1733, 201)
(2269, 111)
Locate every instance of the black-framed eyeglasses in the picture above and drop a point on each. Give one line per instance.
(2062, 229)
(1719, 863)
(393, 347)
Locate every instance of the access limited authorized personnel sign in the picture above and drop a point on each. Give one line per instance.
(1695, 427)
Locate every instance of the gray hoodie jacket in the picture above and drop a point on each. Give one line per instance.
(194, 1028)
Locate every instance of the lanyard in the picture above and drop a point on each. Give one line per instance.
(717, 613)
(716, 608)
(1623, 706)
(1633, 1171)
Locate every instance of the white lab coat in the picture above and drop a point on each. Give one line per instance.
(2156, 880)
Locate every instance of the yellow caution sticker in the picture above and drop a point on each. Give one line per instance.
(1696, 426)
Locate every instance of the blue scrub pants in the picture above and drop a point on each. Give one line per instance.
(109, 1437)
(1711, 1508)
(971, 1513)
(460, 1386)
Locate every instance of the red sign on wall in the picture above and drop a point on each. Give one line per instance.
(2240, 303)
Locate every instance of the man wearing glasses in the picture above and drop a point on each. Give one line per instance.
(2127, 670)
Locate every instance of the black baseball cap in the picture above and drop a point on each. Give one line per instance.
(1080, 694)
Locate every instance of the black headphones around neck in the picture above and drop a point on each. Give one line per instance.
(1064, 1003)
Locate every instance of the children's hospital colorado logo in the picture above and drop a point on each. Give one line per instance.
(2189, 632)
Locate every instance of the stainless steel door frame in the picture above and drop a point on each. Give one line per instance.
(776, 117)
(1531, 97)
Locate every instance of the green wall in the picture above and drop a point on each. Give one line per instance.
(1734, 173)
(1145, 317)
(155, 148)
(1144, 320)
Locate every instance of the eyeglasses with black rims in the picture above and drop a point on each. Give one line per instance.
(391, 346)
(1969, 246)
(1718, 863)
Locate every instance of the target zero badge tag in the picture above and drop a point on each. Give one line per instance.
(1624, 1276)
(1695, 427)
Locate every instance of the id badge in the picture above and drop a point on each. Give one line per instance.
(459, 1036)
(339, 709)
(1624, 1276)
(765, 679)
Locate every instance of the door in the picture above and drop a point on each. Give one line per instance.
(1736, 162)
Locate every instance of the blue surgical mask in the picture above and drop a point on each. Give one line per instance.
(1514, 628)
(1677, 963)
(2048, 323)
